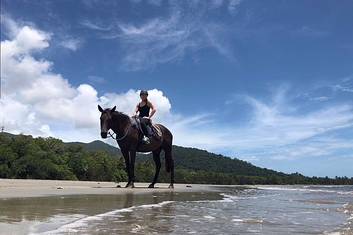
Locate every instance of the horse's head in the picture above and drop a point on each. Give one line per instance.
(106, 120)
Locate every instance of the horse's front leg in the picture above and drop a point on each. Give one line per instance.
(132, 167)
(127, 166)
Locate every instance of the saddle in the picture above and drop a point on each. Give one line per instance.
(156, 131)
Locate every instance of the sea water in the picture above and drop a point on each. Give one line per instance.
(226, 210)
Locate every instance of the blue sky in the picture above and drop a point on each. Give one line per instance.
(270, 82)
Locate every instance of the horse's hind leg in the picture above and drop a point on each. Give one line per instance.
(157, 161)
(169, 164)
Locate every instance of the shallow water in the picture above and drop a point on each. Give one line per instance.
(231, 210)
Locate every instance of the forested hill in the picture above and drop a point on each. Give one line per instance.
(22, 156)
(191, 158)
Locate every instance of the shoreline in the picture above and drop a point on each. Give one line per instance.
(23, 188)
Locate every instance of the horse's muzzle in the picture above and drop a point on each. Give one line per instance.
(104, 135)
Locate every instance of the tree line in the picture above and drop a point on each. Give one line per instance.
(24, 157)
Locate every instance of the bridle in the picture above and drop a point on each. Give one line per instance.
(120, 138)
(116, 135)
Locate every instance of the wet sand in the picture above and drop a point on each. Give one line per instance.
(21, 188)
(51, 207)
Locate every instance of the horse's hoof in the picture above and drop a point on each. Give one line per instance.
(127, 185)
(151, 186)
(171, 186)
(132, 185)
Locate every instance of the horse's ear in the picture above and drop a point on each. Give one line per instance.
(100, 109)
(113, 109)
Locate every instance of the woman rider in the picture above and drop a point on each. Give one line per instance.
(143, 109)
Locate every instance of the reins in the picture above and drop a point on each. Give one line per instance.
(120, 138)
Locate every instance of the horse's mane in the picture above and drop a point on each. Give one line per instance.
(120, 115)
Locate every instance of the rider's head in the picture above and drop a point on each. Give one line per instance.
(143, 95)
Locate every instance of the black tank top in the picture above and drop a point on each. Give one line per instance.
(144, 111)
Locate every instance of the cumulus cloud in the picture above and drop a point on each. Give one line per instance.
(37, 101)
(29, 86)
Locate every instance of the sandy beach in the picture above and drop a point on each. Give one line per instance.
(21, 188)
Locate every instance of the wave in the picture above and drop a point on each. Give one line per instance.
(226, 198)
(249, 221)
(307, 190)
(72, 227)
(232, 198)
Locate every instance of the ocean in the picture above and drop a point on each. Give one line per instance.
(225, 210)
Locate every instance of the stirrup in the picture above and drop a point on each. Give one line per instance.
(146, 140)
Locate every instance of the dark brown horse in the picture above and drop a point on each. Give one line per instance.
(128, 137)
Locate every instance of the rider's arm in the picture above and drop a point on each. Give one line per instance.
(136, 109)
(153, 109)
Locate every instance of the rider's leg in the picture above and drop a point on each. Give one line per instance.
(149, 130)
(145, 139)
(144, 127)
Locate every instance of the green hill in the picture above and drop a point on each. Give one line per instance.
(191, 158)
(97, 145)
(22, 156)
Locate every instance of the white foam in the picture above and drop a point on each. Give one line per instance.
(229, 198)
(73, 226)
(248, 220)
(345, 193)
(237, 220)
(226, 198)
(305, 190)
(156, 205)
(209, 217)
(332, 233)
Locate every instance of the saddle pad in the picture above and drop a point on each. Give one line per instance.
(157, 130)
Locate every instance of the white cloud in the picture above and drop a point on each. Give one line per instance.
(71, 43)
(37, 101)
(233, 6)
(94, 25)
(34, 97)
(276, 130)
(9, 24)
(159, 40)
(345, 86)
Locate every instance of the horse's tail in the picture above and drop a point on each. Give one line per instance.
(167, 146)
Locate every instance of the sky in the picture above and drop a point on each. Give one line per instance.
(268, 82)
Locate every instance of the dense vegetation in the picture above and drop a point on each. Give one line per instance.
(49, 158)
